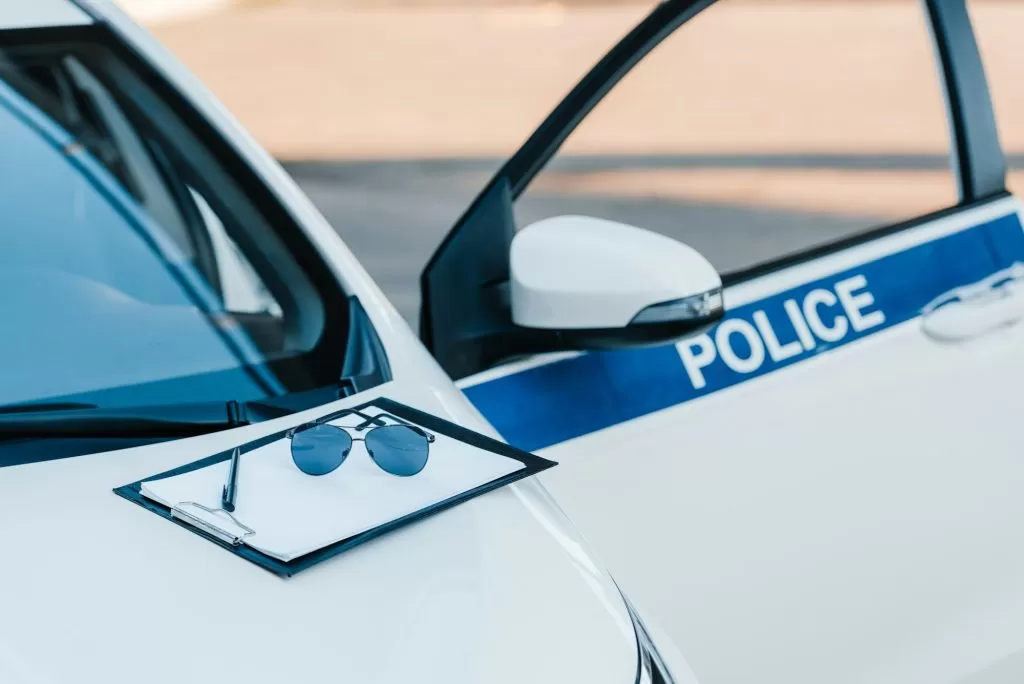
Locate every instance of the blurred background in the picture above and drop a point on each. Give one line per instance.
(761, 128)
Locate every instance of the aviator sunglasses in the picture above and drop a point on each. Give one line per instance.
(397, 447)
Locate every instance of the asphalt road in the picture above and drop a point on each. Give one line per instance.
(393, 214)
(431, 96)
(458, 83)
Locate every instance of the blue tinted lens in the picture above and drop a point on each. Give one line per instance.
(398, 449)
(320, 449)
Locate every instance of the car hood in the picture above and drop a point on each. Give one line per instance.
(95, 589)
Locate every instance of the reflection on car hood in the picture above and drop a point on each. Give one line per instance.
(98, 590)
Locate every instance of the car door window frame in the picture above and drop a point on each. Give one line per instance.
(465, 319)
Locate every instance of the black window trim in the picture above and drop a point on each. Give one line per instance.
(978, 160)
(465, 320)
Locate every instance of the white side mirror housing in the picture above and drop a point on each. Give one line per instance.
(608, 284)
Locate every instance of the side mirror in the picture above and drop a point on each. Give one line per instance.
(600, 284)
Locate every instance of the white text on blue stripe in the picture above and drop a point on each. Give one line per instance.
(806, 323)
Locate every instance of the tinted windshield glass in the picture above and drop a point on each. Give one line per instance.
(134, 267)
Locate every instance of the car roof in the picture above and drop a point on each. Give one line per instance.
(40, 13)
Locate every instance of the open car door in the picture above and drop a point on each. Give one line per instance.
(825, 485)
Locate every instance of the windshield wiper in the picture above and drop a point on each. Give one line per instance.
(61, 419)
(46, 406)
(170, 420)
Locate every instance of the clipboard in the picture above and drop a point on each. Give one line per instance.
(202, 520)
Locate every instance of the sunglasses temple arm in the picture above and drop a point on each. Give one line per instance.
(377, 421)
(417, 428)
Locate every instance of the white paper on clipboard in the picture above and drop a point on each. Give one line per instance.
(292, 514)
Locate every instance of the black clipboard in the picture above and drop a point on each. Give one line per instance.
(533, 465)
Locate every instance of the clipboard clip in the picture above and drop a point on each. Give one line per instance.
(182, 512)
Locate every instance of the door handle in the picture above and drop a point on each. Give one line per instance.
(971, 311)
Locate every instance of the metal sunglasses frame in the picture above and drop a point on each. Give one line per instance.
(371, 422)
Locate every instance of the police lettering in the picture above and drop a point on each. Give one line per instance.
(823, 316)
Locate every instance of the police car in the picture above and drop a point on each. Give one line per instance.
(158, 265)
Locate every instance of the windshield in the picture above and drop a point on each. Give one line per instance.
(136, 268)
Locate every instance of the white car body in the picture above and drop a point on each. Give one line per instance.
(836, 501)
(501, 589)
(824, 487)
(839, 516)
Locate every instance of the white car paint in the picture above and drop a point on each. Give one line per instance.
(501, 589)
(851, 517)
(832, 520)
(580, 272)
